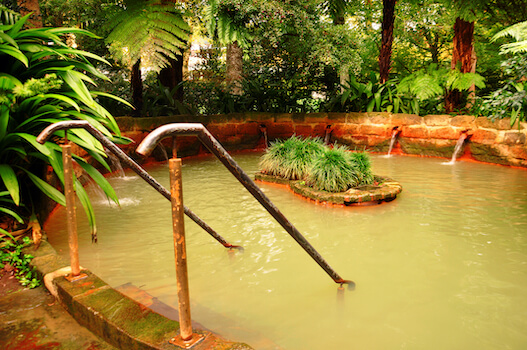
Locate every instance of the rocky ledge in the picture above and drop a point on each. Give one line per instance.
(383, 190)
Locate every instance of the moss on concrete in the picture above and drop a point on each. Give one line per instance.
(385, 190)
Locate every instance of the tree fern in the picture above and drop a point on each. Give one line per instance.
(226, 24)
(8, 16)
(154, 29)
(519, 32)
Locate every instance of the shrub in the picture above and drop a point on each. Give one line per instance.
(291, 158)
(362, 163)
(332, 171)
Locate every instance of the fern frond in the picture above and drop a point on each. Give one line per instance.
(7, 16)
(518, 31)
(150, 27)
(463, 81)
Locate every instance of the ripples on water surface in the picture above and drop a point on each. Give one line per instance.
(444, 266)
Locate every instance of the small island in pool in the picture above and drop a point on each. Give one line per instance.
(330, 174)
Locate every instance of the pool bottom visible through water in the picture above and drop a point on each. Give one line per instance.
(444, 266)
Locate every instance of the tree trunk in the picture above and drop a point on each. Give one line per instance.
(472, 90)
(388, 18)
(462, 57)
(27, 6)
(137, 88)
(233, 76)
(172, 75)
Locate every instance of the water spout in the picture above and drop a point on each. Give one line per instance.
(395, 134)
(263, 130)
(327, 137)
(459, 146)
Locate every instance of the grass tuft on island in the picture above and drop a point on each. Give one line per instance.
(325, 173)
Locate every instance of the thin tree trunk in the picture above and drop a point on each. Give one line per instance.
(462, 57)
(137, 88)
(27, 6)
(234, 72)
(472, 90)
(388, 18)
(172, 75)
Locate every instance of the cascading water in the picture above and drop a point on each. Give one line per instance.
(115, 164)
(393, 140)
(457, 149)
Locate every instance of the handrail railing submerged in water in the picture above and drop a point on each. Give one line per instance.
(188, 129)
(123, 157)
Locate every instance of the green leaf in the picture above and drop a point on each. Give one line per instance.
(8, 39)
(4, 120)
(13, 214)
(99, 179)
(31, 139)
(88, 208)
(18, 25)
(11, 182)
(46, 188)
(14, 52)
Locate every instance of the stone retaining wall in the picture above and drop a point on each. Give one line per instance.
(432, 135)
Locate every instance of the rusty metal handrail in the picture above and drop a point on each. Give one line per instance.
(195, 129)
(123, 157)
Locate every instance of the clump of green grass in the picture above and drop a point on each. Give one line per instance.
(301, 156)
(322, 167)
(362, 163)
(291, 158)
(333, 171)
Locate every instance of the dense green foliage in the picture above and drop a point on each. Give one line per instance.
(332, 169)
(43, 81)
(11, 254)
(306, 56)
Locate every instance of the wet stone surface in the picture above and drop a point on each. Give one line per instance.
(33, 319)
(385, 191)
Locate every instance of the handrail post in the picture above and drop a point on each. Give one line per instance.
(65, 125)
(206, 138)
(71, 215)
(185, 338)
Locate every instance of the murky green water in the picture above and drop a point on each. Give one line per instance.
(442, 267)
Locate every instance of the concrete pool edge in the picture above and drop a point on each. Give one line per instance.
(111, 315)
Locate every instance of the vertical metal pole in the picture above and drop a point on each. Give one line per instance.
(69, 193)
(178, 227)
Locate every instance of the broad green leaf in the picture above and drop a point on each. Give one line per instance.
(12, 213)
(15, 28)
(6, 38)
(88, 208)
(55, 160)
(46, 188)
(16, 53)
(31, 139)
(4, 232)
(4, 120)
(370, 106)
(11, 182)
(99, 179)
(77, 85)
(64, 99)
(105, 94)
(8, 82)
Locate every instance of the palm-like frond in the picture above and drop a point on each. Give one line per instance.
(519, 32)
(221, 25)
(153, 28)
(43, 81)
(8, 16)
